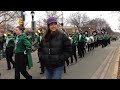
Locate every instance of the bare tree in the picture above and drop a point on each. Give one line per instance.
(51, 13)
(78, 20)
(75, 19)
(6, 16)
(119, 23)
(99, 24)
(84, 20)
(56, 14)
(39, 23)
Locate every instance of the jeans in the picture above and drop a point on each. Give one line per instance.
(55, 73)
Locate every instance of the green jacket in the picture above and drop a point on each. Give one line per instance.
(39, 38)
(106, 37)
(24, 45)
(74, 41)
(95, 38)
(99, 38)
(10, 41)
(29, 37)
(83, 39)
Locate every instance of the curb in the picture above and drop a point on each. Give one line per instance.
(102, 69)
(115, 71)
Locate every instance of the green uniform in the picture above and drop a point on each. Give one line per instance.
(10, 41)
(39, 38)
(74, 41)
(23, 45)
(82, 38)
(29, 37)
(95, 38)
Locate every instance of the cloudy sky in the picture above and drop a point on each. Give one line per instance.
(111, 18)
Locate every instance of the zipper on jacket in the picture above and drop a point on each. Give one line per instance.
(49, 46)
(49, 50)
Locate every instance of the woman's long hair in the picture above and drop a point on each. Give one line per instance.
(50, 35)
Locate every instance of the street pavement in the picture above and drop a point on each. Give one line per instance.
(97, 64)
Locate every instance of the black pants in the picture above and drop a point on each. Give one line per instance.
(41, 65)
(100, 42)
(103, 43)
(108, 41)
(78, 50)
(9, 55)
(93, 45)
(96, 44)
(73, 54)
(81, 49)
(21, 61)
(67, 62)
(89, 47)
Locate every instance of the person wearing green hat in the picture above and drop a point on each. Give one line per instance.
(23, 56)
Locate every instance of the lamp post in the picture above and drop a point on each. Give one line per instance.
(33, 24)
(62, 20)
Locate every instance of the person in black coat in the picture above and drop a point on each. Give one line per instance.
(55, 48)
(2, 41)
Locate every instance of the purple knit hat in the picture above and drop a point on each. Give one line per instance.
(51, 20)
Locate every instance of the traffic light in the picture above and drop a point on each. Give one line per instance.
(20, 21)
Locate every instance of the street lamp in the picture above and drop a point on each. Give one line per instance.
(62, 22)
(32, 13)
(33, 24)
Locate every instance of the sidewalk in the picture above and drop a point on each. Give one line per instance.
(112, 71)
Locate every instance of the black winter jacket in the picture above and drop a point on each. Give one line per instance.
(54, 52)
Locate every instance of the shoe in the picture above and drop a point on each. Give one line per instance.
(67, 64)
(41, 73)
(13, 66)
(38, 62)
(71, 62)
(30, 77)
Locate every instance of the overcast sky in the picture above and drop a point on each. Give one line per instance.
(112, 19)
